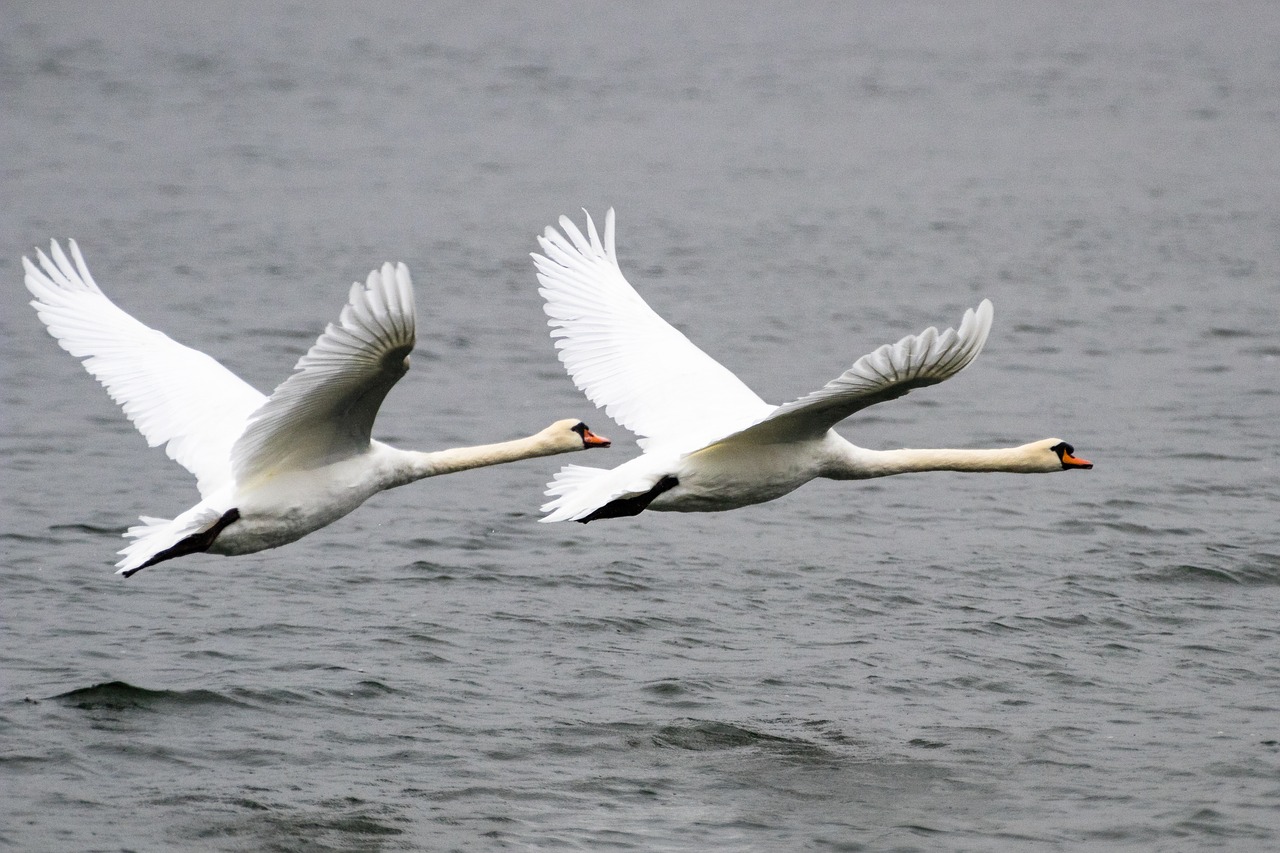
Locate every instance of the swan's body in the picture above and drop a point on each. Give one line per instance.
(270, 470)
(710, 443)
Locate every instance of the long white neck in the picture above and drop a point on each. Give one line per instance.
(407, 466)
(859, 463)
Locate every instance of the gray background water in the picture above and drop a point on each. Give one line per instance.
(1083, 661)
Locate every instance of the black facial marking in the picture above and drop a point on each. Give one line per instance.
(581, 429)
(1066, 451)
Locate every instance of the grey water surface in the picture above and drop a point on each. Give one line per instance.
(1083, 661)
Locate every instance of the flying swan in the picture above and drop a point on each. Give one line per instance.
(709, 442)
(270, 470)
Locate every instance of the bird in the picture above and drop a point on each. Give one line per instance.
(709, 442)
(272, 469)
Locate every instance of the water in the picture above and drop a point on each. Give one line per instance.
(1082, 661)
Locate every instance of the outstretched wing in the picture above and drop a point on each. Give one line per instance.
(644, 373)
(891, 371)
(174, 395)
(325, 410)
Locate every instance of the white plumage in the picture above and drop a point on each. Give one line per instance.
(710, 443)
(269, 469)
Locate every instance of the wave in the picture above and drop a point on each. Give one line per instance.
(712, 735)
(122, 696)
(1219, 564)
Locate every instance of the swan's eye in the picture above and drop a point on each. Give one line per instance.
(1063, 448)
(580, 428)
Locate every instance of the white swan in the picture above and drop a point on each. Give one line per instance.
(270, 470)
(709, 442)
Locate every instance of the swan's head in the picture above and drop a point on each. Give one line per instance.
(1057, 455)
(572, 434)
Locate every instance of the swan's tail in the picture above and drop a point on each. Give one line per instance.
(159, 539)
(571, 489)
(579, 491)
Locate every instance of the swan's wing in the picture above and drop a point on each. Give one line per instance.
(173, 394)
(325, 410)
(891, 371)
(644, 373)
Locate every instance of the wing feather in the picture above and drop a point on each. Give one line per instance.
(175, 396)
(889, 372)
(642, 371)
(326, 408)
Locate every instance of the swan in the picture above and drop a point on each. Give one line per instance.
(269, 470)
(710, 443)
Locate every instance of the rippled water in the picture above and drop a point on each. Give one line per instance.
(1083, 661)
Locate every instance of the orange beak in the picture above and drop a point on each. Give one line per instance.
(1069, 461)
(590, 439)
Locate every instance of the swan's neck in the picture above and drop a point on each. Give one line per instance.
(407, 466)
(858, 463)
